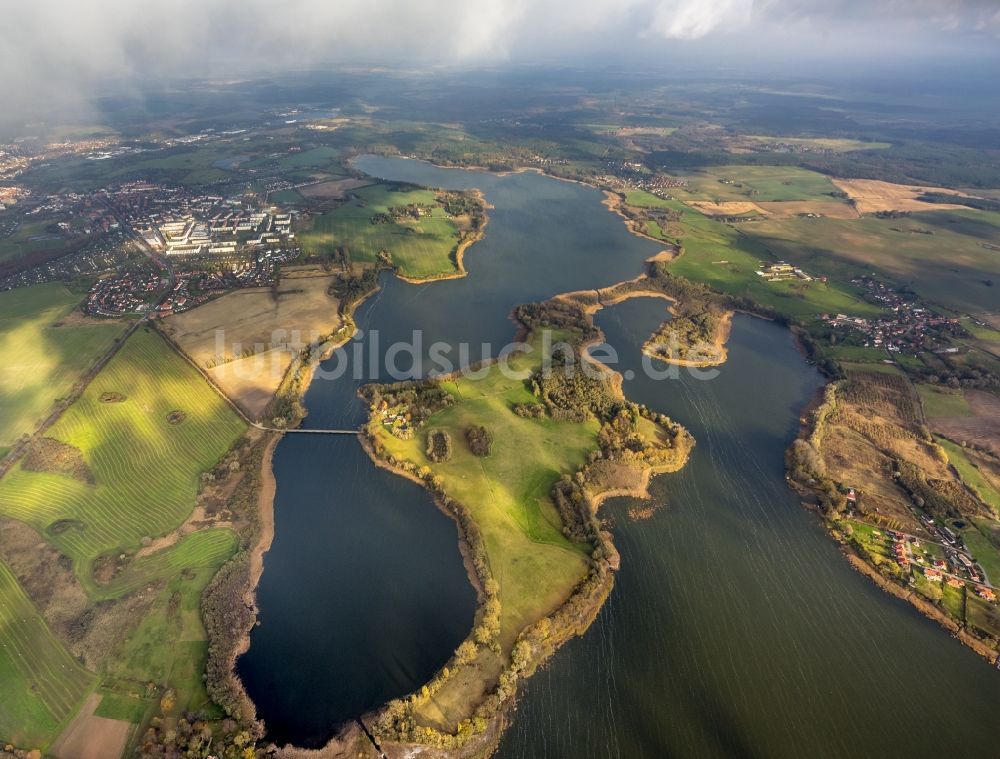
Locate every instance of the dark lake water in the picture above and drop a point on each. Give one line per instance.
(735, 628)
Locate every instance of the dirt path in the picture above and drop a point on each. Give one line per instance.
(265, 504)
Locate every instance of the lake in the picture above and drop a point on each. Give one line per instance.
(735, 628)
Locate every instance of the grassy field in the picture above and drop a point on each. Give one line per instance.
(756, 183)
(144, 461)
(145, 469)
(315, 158)
(939, 254)
(985, 552)
(722, 257)
(836, 144)
(419, 249)
(508, 491)
(286, 197)
(943, 401)
(39, 361)
(32, 237)
(971, 476)
(40, 683)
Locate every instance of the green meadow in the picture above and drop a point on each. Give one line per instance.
(755, 183)
(423, 248)
(940, 254)
(39, 360)
(41, 685)
(508, 491)
(943, 401)
(145, 469)
(972, 477)
(146, 428)
(727, 260)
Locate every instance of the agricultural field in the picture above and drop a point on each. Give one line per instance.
(836, 144)
(314, 158)
(117, 476)
(985, 616)
(144, 430)
(943, 401)
(727, 260)
(875, 424)
(246, 339)
(977, 423)
(872, 196)
(986, 552)
(193, 167)
(421, 248)
(43, 351)
(42, 684)
(755, 183)
(909, 251)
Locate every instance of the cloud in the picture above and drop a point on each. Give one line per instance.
(54, 52)
(691, 19)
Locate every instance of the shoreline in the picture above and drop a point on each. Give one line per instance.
(614, 202)
(719, 340)
(581, 605)
(921, 605)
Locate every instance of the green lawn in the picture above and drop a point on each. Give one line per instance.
(39, 362)
(41, 685)
(309, 159)
(419, 249)
(943, 401)
(508, 491)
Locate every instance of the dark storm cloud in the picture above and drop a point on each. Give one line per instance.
(54, 51)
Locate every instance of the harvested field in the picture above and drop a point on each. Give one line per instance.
(728, 207)
(246, 340)
(981, 429)
(872, 196)
(91, 737)
(789, 208)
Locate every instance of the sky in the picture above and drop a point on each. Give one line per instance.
(54, 52)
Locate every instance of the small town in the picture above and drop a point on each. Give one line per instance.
(911, 328)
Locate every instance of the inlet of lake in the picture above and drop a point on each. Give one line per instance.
(735, 627)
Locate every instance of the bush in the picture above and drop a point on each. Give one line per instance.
(438, 446)
(479, 439)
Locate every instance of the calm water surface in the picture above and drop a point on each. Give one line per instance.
(735, 629)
